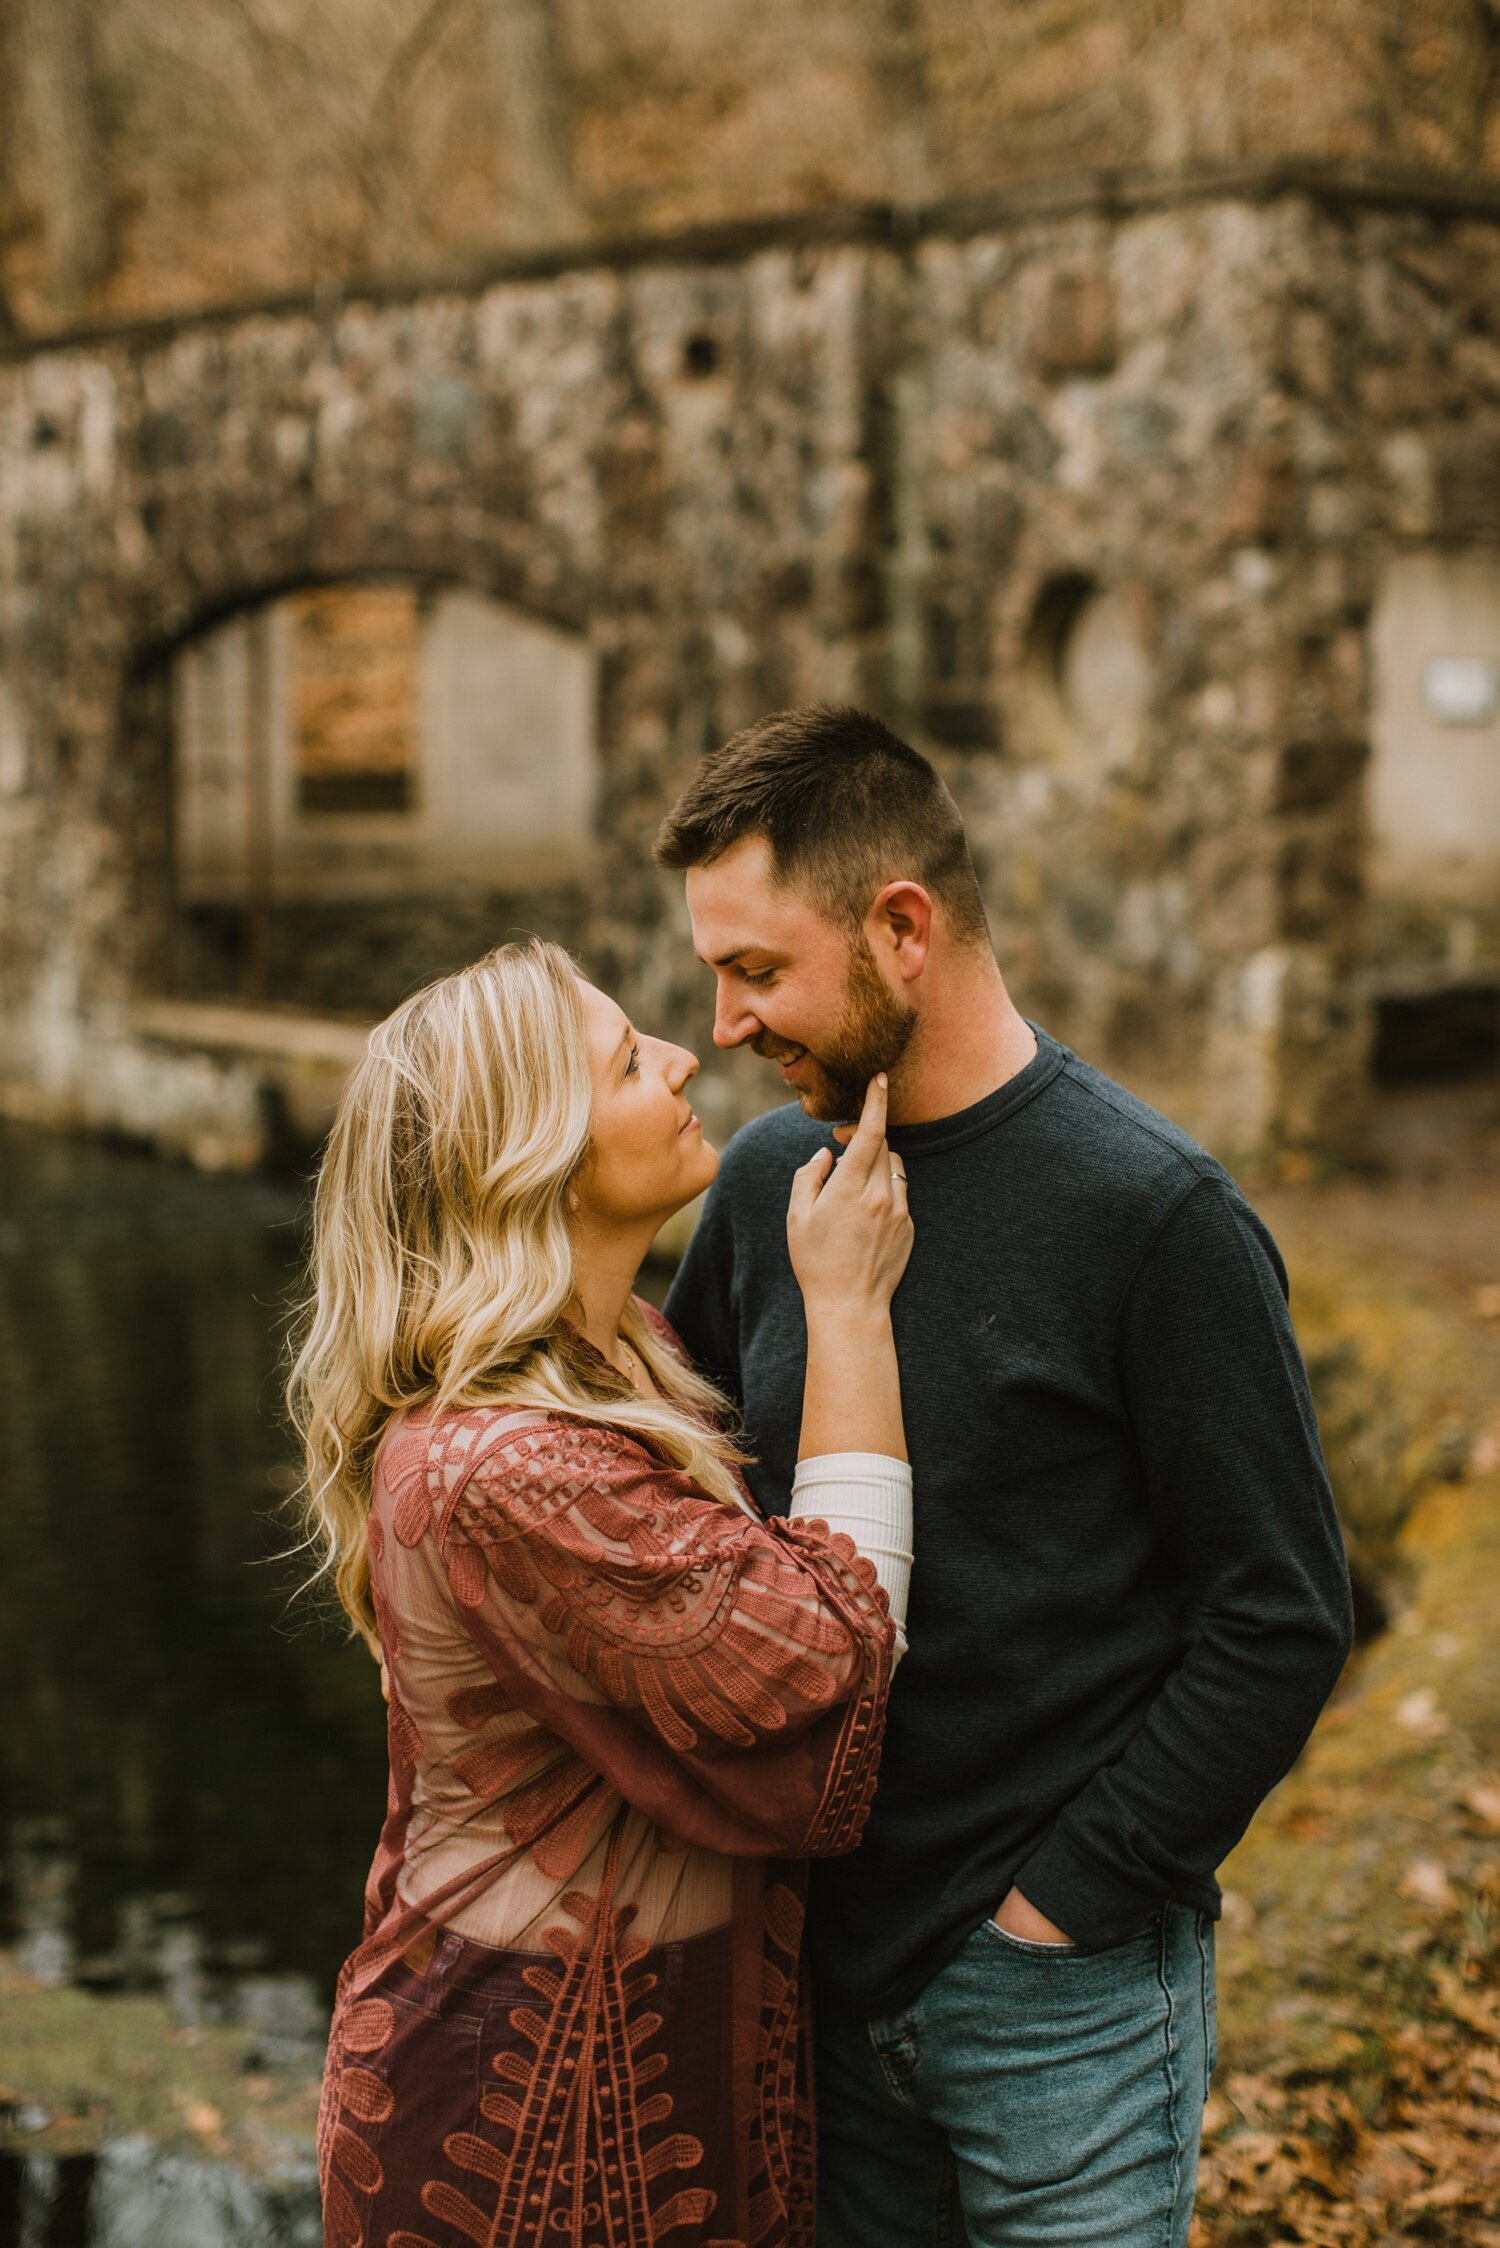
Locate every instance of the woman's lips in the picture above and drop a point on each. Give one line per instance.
(693, 1124)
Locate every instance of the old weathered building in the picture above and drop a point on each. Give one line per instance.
(1165, 513)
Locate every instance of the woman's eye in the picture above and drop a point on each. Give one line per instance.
(631, 1067)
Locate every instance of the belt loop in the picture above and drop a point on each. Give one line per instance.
(440, 1972)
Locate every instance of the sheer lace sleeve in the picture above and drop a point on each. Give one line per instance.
(726, 1675)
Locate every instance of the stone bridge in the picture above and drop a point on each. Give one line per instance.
(1162, 512)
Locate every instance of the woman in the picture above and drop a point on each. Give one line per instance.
(623, 1707)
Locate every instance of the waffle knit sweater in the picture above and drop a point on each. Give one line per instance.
(1129, 1599)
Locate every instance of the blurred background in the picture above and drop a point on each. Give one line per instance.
(157, 160)
(426, 426)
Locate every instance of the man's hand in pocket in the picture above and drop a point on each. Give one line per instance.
(1018, 1918)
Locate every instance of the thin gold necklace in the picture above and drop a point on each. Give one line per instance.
(635, 1364)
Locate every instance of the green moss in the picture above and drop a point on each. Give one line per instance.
(1399, 1393)
(110, 2066)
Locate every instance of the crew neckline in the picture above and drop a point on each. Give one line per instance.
(942, 1132)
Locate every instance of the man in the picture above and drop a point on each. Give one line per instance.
(1129, 1600)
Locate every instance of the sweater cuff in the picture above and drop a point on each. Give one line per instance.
(868, 1496)
(1082, 1895)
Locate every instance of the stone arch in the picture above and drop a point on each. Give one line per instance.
(344, 786)
(177, 601)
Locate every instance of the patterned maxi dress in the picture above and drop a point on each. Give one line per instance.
(621, 1715)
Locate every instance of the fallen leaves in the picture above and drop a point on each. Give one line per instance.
(1483, 1807)
(1359, 2102)
(1426, 1882)
(1362, 2157)
(1218, 2115)
(1485, 1455)
(1419, 1713)
(203, 2119)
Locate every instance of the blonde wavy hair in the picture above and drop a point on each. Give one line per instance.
(442, 1260)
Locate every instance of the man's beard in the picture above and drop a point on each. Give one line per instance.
(873, 1034)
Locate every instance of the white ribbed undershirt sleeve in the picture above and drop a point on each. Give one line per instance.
(867, 1495)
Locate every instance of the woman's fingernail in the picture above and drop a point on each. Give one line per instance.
(881, 1078)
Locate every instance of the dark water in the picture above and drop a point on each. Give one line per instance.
(172, 1728)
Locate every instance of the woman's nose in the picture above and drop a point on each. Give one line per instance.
(681, 1067)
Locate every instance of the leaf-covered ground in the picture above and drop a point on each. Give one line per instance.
(1358, 2096)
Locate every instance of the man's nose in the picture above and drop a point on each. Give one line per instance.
(733, 1021)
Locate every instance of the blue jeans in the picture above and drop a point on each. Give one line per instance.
(1034, 2096)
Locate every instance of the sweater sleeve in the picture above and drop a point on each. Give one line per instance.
(1233, 1477)
(867, 1496)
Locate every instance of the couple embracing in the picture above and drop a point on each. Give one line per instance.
(816, 1715)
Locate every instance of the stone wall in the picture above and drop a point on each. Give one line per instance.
(1089, 494)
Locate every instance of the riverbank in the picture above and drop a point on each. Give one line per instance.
(120, 2126)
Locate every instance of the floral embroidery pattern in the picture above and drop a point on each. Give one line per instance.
(635, 1685)
(348, 2163)
(576, 2111)
(583, 2151)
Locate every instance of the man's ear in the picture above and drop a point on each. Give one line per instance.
(899, 927)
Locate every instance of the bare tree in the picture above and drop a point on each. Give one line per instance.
(896, 58)
(56, 40)
(536, 115)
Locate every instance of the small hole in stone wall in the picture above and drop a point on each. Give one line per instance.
(700, 355)
(1437, 1037)
(1059, 605)
(1086, 672)
(44, 433)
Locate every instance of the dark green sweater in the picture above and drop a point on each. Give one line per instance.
(1129, 1601)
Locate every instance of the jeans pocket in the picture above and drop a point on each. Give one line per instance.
(1027, 1944)
(893, 2040)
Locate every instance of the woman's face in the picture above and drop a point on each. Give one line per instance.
(649, 1153)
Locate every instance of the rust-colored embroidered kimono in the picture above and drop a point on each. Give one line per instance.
(621, 1715)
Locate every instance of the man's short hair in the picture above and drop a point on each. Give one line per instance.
(845, 805)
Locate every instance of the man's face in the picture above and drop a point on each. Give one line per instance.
(803, 991)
